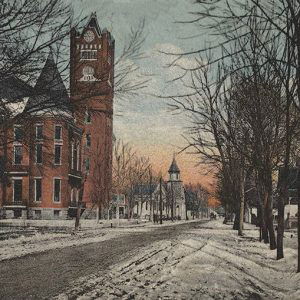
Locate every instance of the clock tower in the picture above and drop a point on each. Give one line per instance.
(92, 91)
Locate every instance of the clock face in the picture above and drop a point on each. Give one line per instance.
(89, 36)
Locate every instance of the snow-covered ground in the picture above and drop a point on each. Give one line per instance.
(26, 236)
(208, 262)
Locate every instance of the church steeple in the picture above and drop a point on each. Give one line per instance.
(174, 172)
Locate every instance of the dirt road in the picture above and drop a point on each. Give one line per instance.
(46, 274)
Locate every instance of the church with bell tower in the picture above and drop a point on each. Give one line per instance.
(176, 191)
(91, 90)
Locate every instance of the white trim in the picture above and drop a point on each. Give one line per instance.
(77, 195)
(13, 206)
(72, 155)
(79, 177)
(53, 190)
(72, 192)
(12, 172)
(78, 157)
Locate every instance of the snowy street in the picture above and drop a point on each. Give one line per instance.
(199, 260)
(206, 261)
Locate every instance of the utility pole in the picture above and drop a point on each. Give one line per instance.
(172, 202)
(160, 200)
(150, 191)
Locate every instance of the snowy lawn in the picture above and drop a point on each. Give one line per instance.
(207, 262)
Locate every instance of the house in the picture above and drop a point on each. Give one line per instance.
(59, 154)
(147, 201)
(291, 206)
(147, 197)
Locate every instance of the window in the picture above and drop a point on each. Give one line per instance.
(57, 154)
(74, 164)
(39, 132)
(87, 165)
(18, 155)
(38, 189)
(88, 54)
(88, 74)
(17, 190)
(38, 153)
(18, 133)
(88, 140)
(56, 213)
(57, 187)
(78, 158)
(74, 195)
(88, 117)
(38, 214)
(58, 132)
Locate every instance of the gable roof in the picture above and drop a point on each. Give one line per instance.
(14, 89)
(93, 23)
(144, 189)
(49, 92)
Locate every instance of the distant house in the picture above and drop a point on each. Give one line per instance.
(147, 200)
(291, 206)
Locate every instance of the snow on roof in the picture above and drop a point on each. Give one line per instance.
(50, 91)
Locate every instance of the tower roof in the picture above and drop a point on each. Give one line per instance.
(93, 23)
(174, 168)
(49, 92)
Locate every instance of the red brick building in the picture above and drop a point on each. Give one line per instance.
(61, 153)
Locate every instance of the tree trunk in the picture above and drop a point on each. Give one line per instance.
(242, 203)
(236, 222)
(298, 227)
(280, 227)
(269, 221)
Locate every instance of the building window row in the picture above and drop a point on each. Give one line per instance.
(88, 54)
(88, 46)
(17, 190)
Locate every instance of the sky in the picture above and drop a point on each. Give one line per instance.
(146, 121)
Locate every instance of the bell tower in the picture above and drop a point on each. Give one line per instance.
(92, 91)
